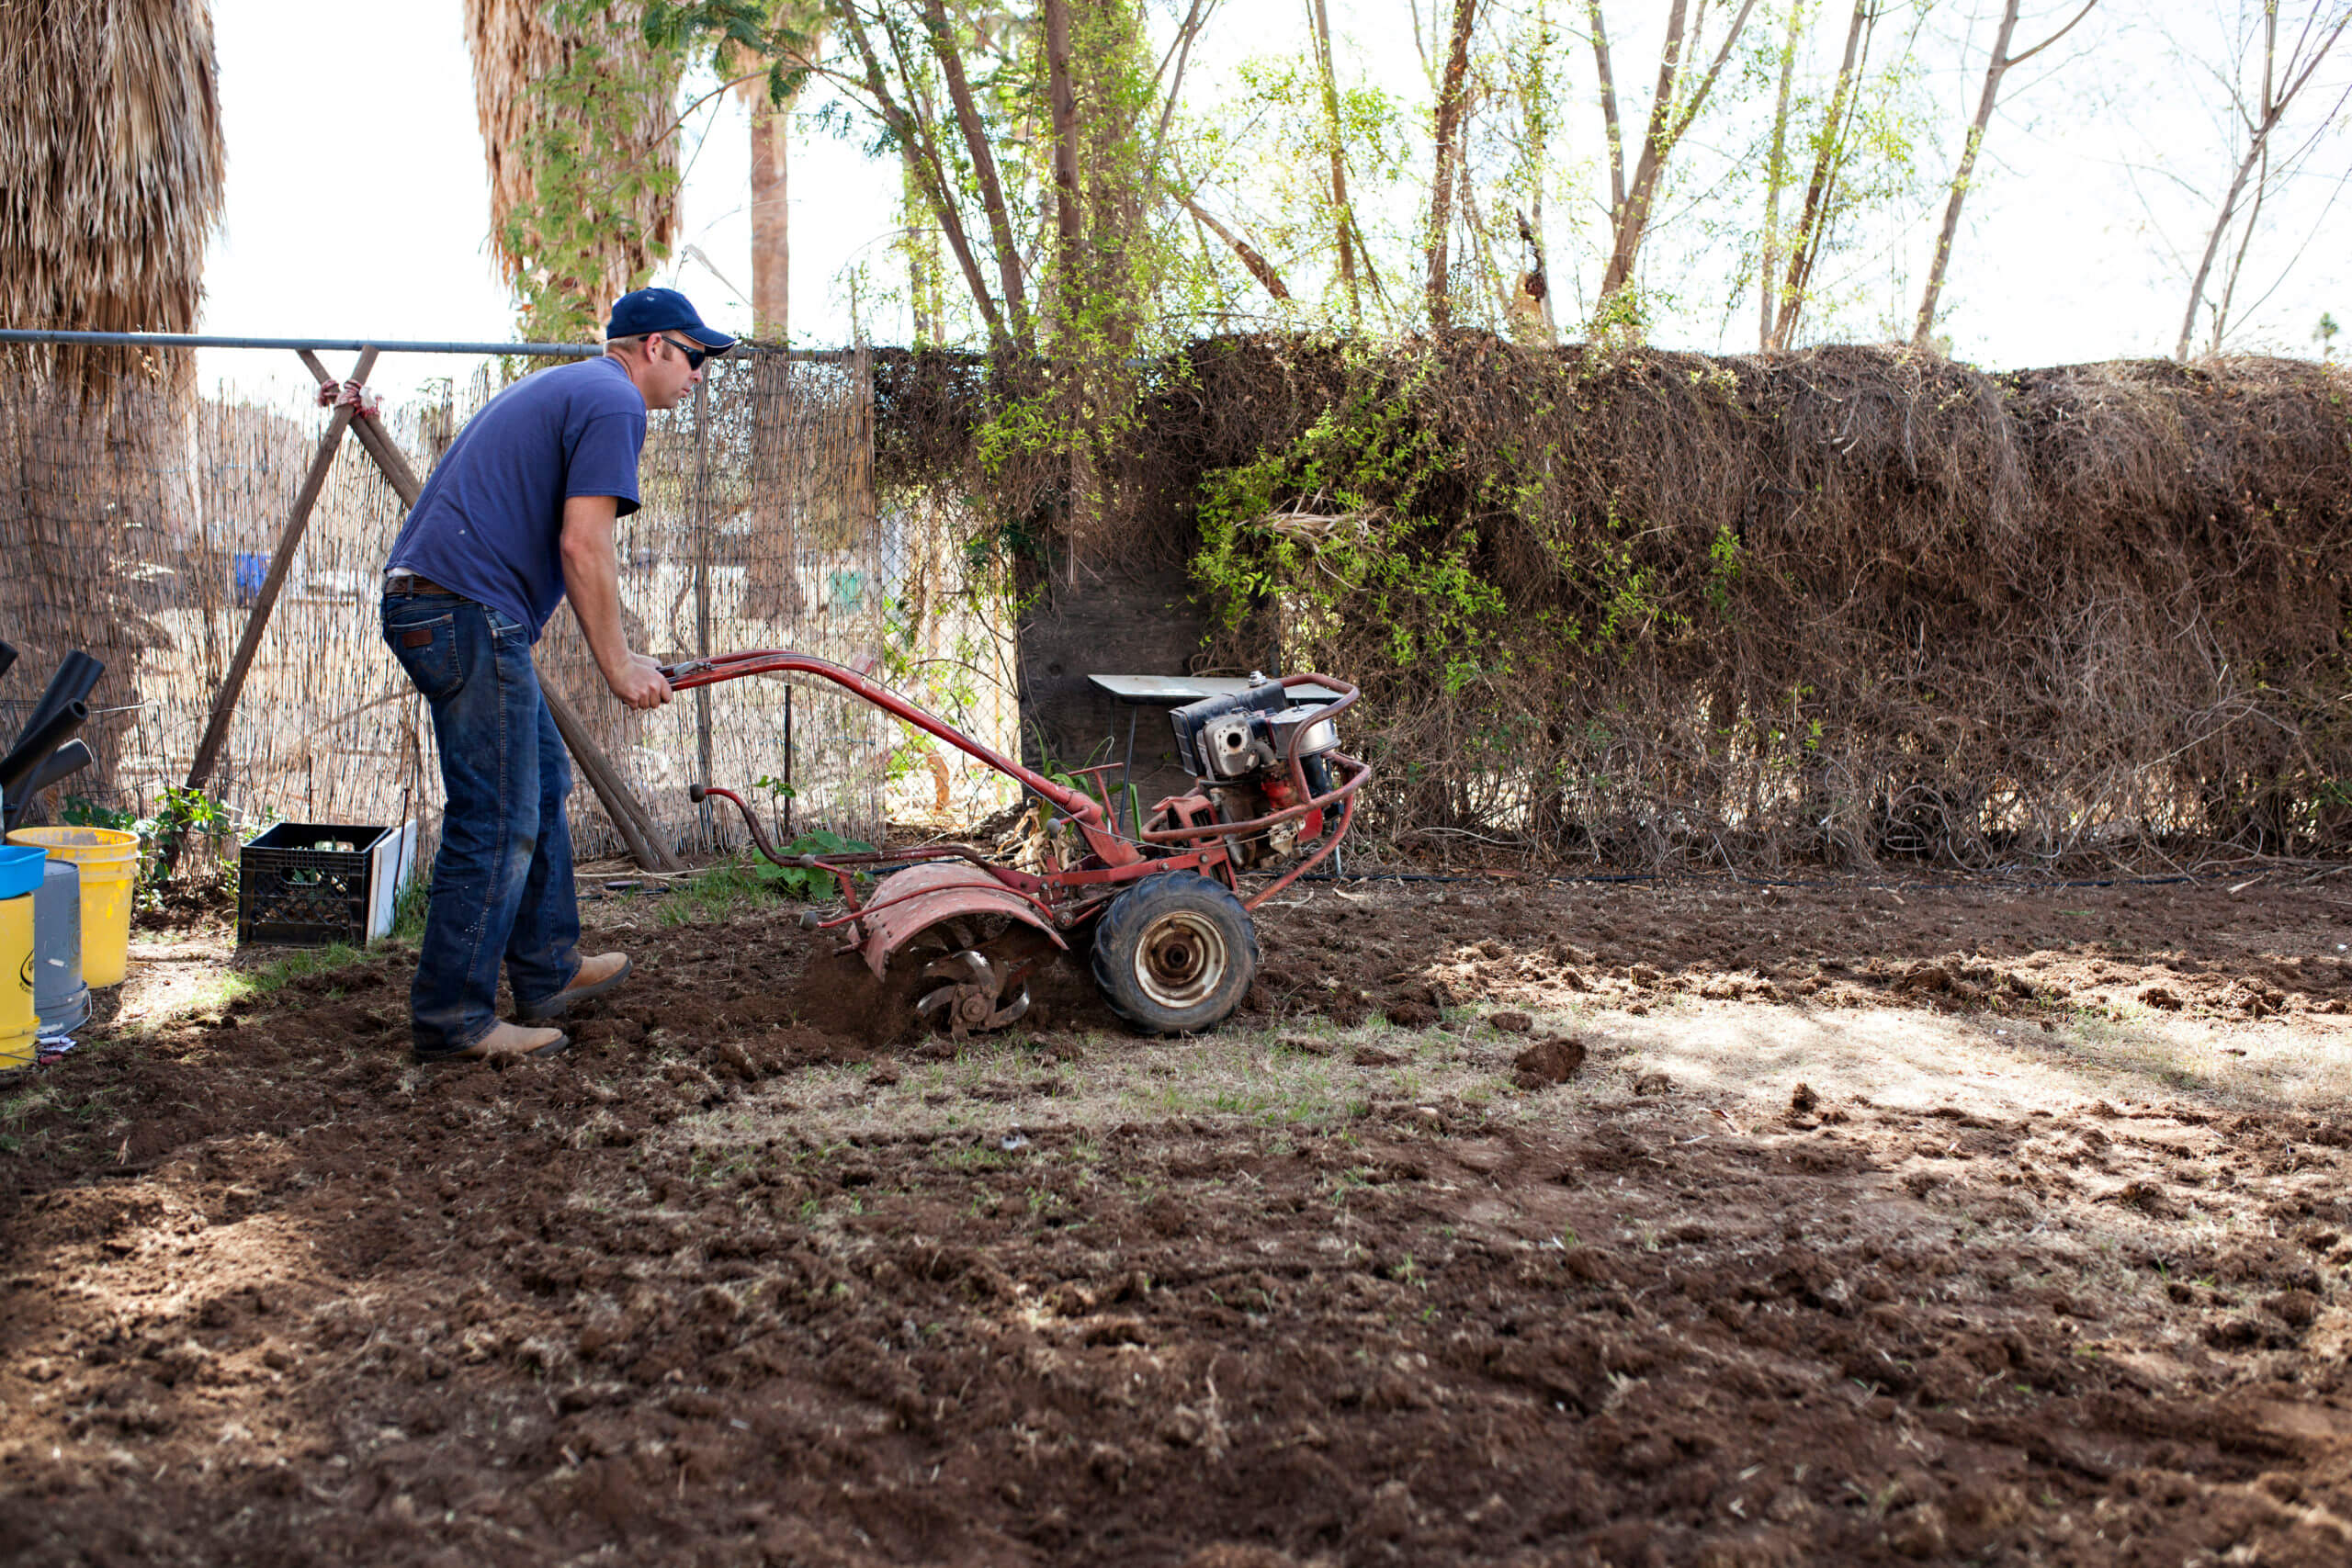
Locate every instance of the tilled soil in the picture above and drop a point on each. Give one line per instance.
(1497, 1230)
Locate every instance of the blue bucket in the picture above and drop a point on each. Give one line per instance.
(20, 869)
(248, 569)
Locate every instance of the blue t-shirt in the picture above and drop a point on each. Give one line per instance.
(489, 522)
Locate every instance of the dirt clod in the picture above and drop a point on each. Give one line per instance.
(1512, 1021)
(2296, 1309)
(1553, 1059)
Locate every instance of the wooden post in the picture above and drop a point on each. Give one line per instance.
(379, 442)
(281, 561)
(629, 818)
(635, 825)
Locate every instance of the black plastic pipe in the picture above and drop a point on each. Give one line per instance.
(30, 752)
(77, 676)
(62, 764)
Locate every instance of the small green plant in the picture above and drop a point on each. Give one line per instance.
(733, 887)
(80, 811)
(186, 817)
(808, 884)
(409, 907)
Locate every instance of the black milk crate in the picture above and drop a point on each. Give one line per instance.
(315, 884)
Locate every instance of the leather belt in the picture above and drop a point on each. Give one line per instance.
(409, 582)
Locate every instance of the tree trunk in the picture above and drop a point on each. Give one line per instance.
(1666, 127)
(926, 286)
(950, 56)
(771, 220)
(1342, 219)
(2302, 63)
(1069, 233)
(1608, 111)
(1994, 69)
(1812, 220)
(1062, 100)
(1449, 123)
(1773, 176)
(938, 188)
(2213, 244)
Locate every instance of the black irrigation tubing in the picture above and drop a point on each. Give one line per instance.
(1492, 879)
(1619, 879)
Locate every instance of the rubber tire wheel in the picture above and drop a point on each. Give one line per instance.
(1164, 910)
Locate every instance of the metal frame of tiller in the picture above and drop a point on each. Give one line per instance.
(945, 882)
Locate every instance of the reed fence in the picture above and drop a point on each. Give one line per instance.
(137, 527)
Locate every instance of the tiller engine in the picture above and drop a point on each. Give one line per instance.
(1165, 910)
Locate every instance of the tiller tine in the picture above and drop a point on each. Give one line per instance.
(972, 967)
(970, 998)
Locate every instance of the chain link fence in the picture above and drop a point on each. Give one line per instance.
(137, 527)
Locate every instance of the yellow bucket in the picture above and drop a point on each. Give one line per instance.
(109, 862)
(18, 1025)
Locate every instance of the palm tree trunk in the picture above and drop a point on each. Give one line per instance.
(771, 218)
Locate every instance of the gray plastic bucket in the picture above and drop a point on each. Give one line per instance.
(59, 995)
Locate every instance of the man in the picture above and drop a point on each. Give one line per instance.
(518, 516)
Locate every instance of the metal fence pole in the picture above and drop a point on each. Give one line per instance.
(702, 595)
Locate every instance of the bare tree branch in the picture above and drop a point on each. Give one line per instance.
(1609, 110)
(1997, 65)
(1260, 267)
(940, 190)
(2270, 108)
(950, 55)
(1668, 125)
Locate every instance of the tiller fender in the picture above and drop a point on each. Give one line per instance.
(922, 895)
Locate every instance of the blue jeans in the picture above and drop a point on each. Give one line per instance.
(502, 882)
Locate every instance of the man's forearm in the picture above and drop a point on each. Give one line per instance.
(592, 581)
(595, 595)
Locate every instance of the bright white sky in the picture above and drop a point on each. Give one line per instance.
(357, 204)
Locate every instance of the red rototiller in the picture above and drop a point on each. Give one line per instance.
(1173, 947)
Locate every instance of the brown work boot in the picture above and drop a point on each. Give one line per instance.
(596, 975)
(506, 1043)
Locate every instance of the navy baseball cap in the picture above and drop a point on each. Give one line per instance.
(663, 311)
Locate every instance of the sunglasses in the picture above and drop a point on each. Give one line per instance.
(696, 354)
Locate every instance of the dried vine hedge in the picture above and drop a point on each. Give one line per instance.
(1847, 606)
